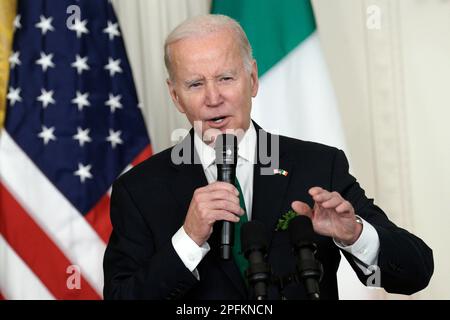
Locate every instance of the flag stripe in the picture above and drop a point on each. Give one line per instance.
(56, 216)
(145, 154)
(99, 219)
(15, 271)
(38, 251)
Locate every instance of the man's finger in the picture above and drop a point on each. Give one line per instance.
(332, 203)
(315, 190)
(344, 207)
(302, 208)
(224, 215)
(220, 185)
(322, 196)
(226, 205)
(221, 195)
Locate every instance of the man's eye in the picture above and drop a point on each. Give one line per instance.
(195, 85)
(226, 78)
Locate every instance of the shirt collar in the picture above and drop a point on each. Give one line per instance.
(246, 148)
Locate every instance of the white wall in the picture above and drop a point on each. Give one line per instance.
(393, 84)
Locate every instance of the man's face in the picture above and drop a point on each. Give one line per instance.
(210, 83)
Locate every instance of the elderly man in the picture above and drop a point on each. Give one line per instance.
(164, 243)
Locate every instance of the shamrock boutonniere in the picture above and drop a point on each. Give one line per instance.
(283, 222)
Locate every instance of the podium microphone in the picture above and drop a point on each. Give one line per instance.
(254, 243)
(309, 270)
(226, 161)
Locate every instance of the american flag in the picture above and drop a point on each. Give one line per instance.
(73, 124)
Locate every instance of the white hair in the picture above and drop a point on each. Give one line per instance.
(206, 24)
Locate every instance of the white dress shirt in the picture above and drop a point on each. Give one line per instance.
(365, 249)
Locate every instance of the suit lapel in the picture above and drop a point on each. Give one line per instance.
(269, 190)
(188, 178)
(190, 174)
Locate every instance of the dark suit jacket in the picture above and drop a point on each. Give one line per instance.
(149, 204)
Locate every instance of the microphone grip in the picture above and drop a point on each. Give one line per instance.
(312, 288)
(261, 291)
(226, 240)
(226, 173)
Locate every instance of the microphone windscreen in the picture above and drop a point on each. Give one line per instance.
(253, 237)
(226, 149)
(301, 230)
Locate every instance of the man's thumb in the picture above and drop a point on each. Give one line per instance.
(301, 208)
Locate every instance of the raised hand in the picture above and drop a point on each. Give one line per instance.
(331, 216)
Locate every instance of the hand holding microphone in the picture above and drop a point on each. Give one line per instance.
(218, 201)
(214, 202)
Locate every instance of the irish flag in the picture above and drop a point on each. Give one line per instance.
(295, 97)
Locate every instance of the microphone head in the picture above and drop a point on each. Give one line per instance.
(253, 237)
(226, 149)
(301, 230)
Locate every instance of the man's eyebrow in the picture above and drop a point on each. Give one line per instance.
(227, 73)
(191, 81)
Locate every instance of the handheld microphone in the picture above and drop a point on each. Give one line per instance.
(254, 244)
(309, 270)
(226, 161)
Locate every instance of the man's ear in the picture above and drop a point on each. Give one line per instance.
(254, 78)
(174, 95)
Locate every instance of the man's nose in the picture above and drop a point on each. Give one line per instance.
(213, 96)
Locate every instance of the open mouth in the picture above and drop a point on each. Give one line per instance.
(218, 119)
(219, 122)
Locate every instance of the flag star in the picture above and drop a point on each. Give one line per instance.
(114, 138)
(45, 61)
(45, 24)
(17, 24)
(81, 100)
(46, 98)
(82, 136)
(14, 59)
(13, 95)
(112, 30)
(80, 64)
(79, 27)
(113, 66)
(114, 102)
(83, 172)
(47, 134)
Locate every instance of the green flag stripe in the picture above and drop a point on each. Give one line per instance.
(274, 28)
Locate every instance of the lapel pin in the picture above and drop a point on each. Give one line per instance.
(280, 172)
